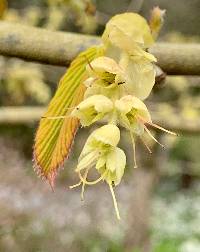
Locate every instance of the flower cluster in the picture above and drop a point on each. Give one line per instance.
(117, 84)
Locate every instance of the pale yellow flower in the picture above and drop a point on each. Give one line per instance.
(130, 108)
(103, 71)
(101, 151)
(127, 31)
(135, 77)
(126, 38)
(104, 68)
(92, 109)
(113, 164)
(105, 77)
(134, 116)
(102, 139)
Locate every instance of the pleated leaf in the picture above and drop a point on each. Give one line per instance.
(54, 137)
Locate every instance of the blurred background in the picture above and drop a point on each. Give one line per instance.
(159, 202)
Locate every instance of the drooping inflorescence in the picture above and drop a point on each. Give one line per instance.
(117, 83)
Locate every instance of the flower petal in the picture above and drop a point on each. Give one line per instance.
(103, 64)
(140, 78)
(128, 102)
(101, 162)
(87, 161)
(116, 161)
(102, 139)
(92, 109)
(107, 134)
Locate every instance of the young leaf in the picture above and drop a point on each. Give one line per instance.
(54, 137)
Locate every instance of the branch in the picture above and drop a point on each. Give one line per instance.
(178, 59)
(36, 44)
(20, 115)
(59, 48)
(29, 115)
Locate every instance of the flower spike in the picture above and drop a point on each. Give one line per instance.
(113, 83)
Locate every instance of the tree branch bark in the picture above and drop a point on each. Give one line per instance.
(60, 48)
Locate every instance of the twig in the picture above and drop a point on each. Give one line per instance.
(59, 48)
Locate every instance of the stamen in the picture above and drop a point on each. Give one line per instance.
(157, 126)
(134, 151)
(161, 128)
(145, 144)
(76, 185)
(91, 67)
(83, 185)
(114, 202)
(153, 137)
(92, 182)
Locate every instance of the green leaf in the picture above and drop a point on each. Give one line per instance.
(54, 137)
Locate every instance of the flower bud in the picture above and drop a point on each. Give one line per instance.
(100, 151)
